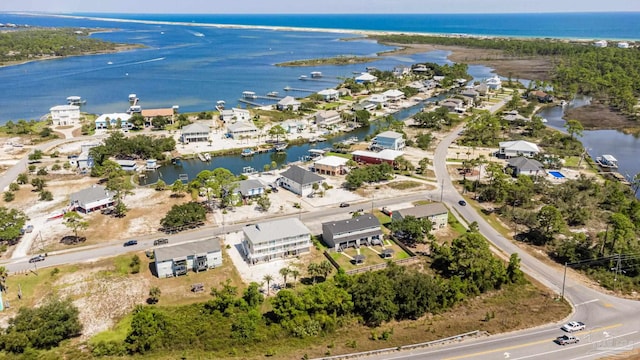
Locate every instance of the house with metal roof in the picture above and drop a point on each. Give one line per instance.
(370, 157)
(275, 239)
(327, 117)
(241, 128)
(176, 260)
(250, 188)
(366, 78)
(329, 94)
(509, 149)
(299, 181)
(525, 166)
(195, 132)
(437, 213)
(288, 103)
(106, 121)
(91, 199)
(362, 230)
(389, 140)
(393, 95)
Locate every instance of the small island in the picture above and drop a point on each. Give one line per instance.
(23, 44)
(338, 60)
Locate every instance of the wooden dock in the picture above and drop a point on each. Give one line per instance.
(245, 101)
(289, 88)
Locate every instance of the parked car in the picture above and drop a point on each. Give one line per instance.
(36, 259)
(344, 205)
(573, 326)
(161, 241)
(567, 339)
(131, 243)
(29, 228)
(462, 203)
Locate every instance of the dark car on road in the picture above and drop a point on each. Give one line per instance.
(343, 205)
(462, 203)
(131, 243)
(36, 259)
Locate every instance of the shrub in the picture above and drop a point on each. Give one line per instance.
(9, 196)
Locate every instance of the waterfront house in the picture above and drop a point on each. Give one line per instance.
(379, 100)
(127, 165)
(369, 157)
(288, 103)
(226, 115)
(299, 181)
(150, 114)
(365, 105)
(418, 85)
(65, 115)
(366, 78)
(250, 188)
(453, 105)
(195, 132)
(106, 121)
(494, 83)
(196, 256)
(275, 239)
(329, 94)
(355, 232)
(241, 114)
(293, 126)
(393, 95)
(437, 213)
(482, 89)
(241, 128)
(513, 115)
(420, 69)
(623, 45)
(388, 140)
(438, 78)
(330, 165)
(525, 166)
(540, 95)
(327, 117)
(470, 95)
(600, 44)
(91, 199)
(509, 149)
(401, 70)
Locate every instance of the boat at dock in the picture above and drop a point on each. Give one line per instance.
(201, 157)
(607, 162)
(272, 94)
(247, 152)
(249, 95)
(207, 157)
(220, 105)
(280, 146)
(76, 100)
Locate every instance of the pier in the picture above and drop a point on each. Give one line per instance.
(289, 88)
(252, 103)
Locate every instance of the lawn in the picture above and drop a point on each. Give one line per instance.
(404, 185)
(346, 156)
(371, 257)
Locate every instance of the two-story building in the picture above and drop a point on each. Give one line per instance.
(330, 165)
(327, 117)
(65, 115)
(389, 140)
(329, 94)
(299, 181)
(196, 256)
(241, 128)
(355, 232)
(275, 239)
(196, 132)
(437, 213)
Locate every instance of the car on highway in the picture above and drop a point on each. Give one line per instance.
(36, 259)
(462, 203)
(344, 205)
(161, 241)
(573, 326)
(130, 243)
(566, 339)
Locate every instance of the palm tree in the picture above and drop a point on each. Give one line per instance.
(295, 273)
(154, 295)
(284, 272)
(325, 269)
(313, 269)
(268, 279)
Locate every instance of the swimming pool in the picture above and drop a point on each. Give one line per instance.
(557, 174)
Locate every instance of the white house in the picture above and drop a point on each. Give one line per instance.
(377, 99)
(299, 181)
(105, 121)
(288, 103)
(241, 114)
(91, 199)
(65, 115)
(366, 78)
(509, 149)
(329, 94)
(600, 43)
(241, 128)
(250, 188)
(275, 239)
(330, 165)
(327, 117)
(494, 83)
(623, 45)
(178, 259)
(195, 132)
(389, 140)
(437, 213)
(393, 95)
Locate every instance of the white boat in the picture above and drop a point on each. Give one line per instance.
(75, 100)
(303, 77)
(563, 103)
(132, 97)
(249, 95)
(316, 74)
(207, 157)
(280, 146)
(272, 94)
(247, 152)
(110, 63)
(134, 109)
(201, 157)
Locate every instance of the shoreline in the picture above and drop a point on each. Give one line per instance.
(118, 49)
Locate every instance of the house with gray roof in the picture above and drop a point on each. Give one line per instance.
(196, 256)
(275, 239)
(195, 132)
(91, 199)
(250, 188)
(241, 128)
(437, 213)
(361, 230)
(525, 166)
(509, 149)
(288, 103)
(299, 181)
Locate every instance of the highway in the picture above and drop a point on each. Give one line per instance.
(613, 324)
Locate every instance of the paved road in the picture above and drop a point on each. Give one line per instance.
(613, 323)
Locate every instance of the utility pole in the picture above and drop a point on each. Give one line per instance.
(615, 278)
(564, 279)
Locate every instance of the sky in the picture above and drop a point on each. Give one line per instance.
(317, 7)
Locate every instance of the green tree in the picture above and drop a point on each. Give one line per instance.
(11, 221)
(74, 221)
(374, 298)
(264, 202)
(160, 185)
(38, 183)
(159, 122)
(147, 327)
(423, 140)
(22, 178)
(252, 295)
(4, 274)
(46, 195)
(574, 128)
(245, 326)
(514, 274)
(550, 221)
(189, 214)
(284, 272)
(268, 279)
(178, 189)
(325, 268)
(9, 196)
(154, 295)
(411, 229)
(277, 131)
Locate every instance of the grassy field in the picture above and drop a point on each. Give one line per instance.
(372, 257)
(404, 185)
